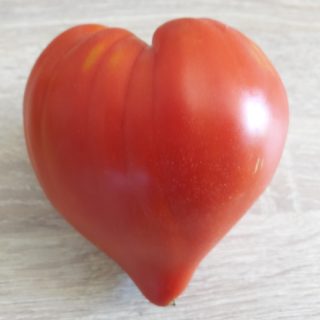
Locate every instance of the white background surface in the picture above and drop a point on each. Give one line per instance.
(268, 267)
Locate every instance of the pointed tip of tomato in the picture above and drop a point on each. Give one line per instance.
(162, 289)
(164, 301)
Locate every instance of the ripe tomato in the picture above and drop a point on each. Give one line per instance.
(154, 152)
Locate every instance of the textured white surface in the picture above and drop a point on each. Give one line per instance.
(268, 267)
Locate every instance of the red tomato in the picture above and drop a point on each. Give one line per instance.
(154, 152)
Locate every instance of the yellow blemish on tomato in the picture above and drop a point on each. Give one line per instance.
(258, 165)
(116, 58)
(93, 56)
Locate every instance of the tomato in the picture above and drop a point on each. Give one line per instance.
(154, 152)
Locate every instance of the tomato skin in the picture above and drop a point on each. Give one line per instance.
(154, 152)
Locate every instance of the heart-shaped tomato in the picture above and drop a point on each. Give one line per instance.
(154, 152)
